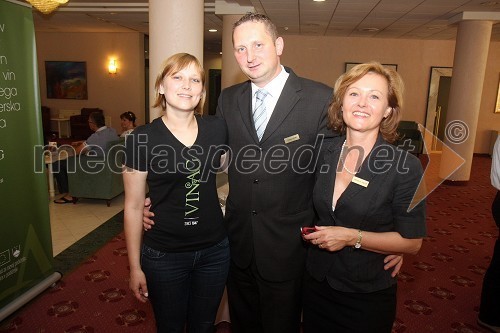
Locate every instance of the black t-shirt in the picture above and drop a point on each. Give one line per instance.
(182, 183)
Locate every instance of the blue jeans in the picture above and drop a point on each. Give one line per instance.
(186, 288)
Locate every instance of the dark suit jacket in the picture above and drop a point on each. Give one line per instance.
(381, 206)
(271, 182)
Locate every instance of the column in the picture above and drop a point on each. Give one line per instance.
(231, 12)
(231, 72)
(174, 26)
(471, 52)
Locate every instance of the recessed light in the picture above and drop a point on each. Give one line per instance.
(319, 0)
(369, 29)
(212, 30)
(489, 3)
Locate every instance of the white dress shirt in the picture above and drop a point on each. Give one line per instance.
(274, 89)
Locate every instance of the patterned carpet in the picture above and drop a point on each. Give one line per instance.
(439, 288)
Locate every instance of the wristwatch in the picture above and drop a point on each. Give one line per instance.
(357, 245)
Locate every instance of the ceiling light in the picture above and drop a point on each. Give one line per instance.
(489, 3)
(46, 6)
(369, 29)
(212, 30)
(318, 0)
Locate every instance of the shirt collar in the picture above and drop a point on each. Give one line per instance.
(276, 85)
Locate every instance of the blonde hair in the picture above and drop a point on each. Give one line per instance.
(388, 126)
(173, 65)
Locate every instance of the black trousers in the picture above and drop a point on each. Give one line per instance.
(489, 308)
(330, 311)
(60, 171)
(260, 306)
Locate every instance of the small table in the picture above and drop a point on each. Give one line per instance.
(51, 157)
(67, 125)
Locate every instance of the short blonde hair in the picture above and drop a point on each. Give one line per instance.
(172, 65)
(389, 125)
(259, 18)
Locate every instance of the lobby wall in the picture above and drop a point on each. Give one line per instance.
(114, 93)
(319, 58)
(323, 59)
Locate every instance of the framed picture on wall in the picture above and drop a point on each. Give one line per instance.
(349, 65)
(66, 79)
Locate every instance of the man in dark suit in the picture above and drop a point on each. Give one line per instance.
(271, 177)
(270, 180)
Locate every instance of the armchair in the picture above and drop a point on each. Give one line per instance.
(409, 130)
(97, 177)
(80, 129)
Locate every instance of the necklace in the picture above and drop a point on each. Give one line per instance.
(342, 159)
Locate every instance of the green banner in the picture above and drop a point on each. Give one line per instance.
(25, 239)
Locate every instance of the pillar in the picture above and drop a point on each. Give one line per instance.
(174, 26)
(469, 65)
(230, 12)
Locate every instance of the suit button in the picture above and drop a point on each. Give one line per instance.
(255, 181)
(254, 212)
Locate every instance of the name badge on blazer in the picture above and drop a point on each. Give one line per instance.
(292, 138)
(360, 181)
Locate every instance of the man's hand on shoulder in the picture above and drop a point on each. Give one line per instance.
(147, 222)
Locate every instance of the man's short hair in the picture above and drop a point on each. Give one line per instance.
(256, 17)
(98, 119)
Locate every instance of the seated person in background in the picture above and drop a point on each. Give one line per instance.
(97, 143)
(128, 123)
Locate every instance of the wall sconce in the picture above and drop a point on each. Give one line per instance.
(112, 66)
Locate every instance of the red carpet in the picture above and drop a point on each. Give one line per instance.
(439, 289)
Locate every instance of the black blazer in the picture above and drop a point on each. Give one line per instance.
(271, 182)
(381, 206)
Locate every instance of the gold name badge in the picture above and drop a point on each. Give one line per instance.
(292, 138)
(360, 181)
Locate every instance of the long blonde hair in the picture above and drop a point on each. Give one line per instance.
(172, 65)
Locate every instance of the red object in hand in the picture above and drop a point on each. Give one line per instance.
(307, 230)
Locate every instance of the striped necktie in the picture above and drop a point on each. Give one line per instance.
(259, 112)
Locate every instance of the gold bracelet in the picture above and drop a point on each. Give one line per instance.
(357, 245)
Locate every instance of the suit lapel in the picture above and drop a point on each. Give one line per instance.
(331, 159)
(364, 173)
(288, 98)
(245, 110)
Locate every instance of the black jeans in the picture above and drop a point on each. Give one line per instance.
(186, 288)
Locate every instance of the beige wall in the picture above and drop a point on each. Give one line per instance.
(114, 94)
(323, 59)
(319, 58)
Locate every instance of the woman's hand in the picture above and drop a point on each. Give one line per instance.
(332, 238)
(138, 285)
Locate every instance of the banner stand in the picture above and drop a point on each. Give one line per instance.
(29, 295)
(26, 254)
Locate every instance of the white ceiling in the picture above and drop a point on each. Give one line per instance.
(410, 19)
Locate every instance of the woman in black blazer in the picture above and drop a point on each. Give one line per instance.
(363, 196)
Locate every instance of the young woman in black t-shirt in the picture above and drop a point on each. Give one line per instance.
(182, 263)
